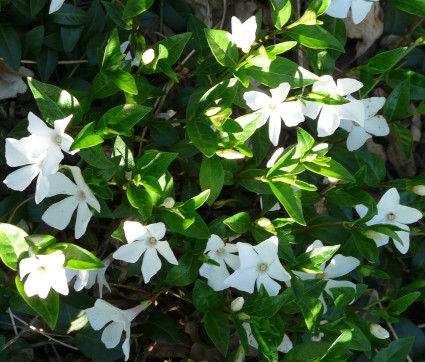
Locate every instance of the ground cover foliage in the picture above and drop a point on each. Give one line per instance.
(181, 183)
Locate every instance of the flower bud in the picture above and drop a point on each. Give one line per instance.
(418, 189)
(263, 222)
(128, 175)
(373, 235)
(230, 154)
(243, 316)
(378, 331)
(237, 304)
(148, 56)
(169, 202)
(240, 354)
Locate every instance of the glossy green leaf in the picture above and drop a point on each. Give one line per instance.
(223, 49)
(47, 60)
(397, 350)
(211, 177)
(401, 304)
(69, 15)
(185, 272)
(78, 258)
(86, 138)
(203, 137)
(70, 36)
(218, 329)
(314, 36)
(205, 297)
(140, 199)
(397, 103)
(415, 7)
(10, 46)
(12, 244)
(136, 7)
(239, 223)
(281, 12)
(404, 139)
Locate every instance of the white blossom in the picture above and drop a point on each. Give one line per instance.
(237, 304)
(59, 214)
(377, 331)
(40, 154)
(359, 9)
(222, 253)
(276, 109)
(258, 264)
(285, 346)
(103, 312)
(145, 240)
(391, 212)
(330, 115)
(55, 5)
(373, 124)
(45, 272)
(418, 189)
(243, 34)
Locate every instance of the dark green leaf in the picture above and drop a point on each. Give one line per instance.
(115, 12)
(70, 36)
(78, 258)
(10, 46)
(161, 328)
(185, 273)
(140, 199)
(402, 303)
(218, 329)
(415, 7)
(211, 177)
(69, 15)
(86, 138)
(205, 297)
(314, 36)
(222, 48)
(397, 350)
(203, 137)
(136, 7)
(239, 223)
(397, 103)
(46, 63)
(289, 199)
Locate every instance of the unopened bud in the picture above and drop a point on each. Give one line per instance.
(418, 189)
(373, 235)
(230, 154)
(263, 222)
(128, 175)
(243, 316)
(240, 354)
(237, 304)
(148, 56)
(169, 202)
(378, 331)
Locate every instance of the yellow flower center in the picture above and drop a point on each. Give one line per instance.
(152, 240)
(356, 124)
(272, 106)
(391, 216)
(263, 267)
(41, 269)
(58, 139)
(220, 250)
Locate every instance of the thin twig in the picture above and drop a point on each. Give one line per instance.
(24, 330)
(80, 61)
(223, 18)
(9, 311)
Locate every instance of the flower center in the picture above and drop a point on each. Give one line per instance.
(81, 195)
(263, 267)
(272, 106)
(320, 276)
(41, 269)
(391, 216)
(152, 240)
(220, 250)
(356, 124)
(58, 139)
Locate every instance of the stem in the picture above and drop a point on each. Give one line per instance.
(17, 207)
(338, 223)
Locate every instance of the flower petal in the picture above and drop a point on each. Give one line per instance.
(275, 124)
(256, 100)
(328, 121)
(61, 185)
(57, 278)
(216, 275)
(345, 86)
(339, 284)
(52, 160)
(325, 84)
(340, 265)
(61, 124)
(20, 179)
(271, 286)
(59, 214)
(100, 314)
(280, 93)
(156, 230)
(267, 250)
(286, 345)
(164, 249)
(19, 153)
(37, 126)
(405, 238)
(134, 230)
(353, 111)
(214, 242)
(339, 8)
(36, 284)
(247, 255)
(66, 143)
(373, 105)
(83, 217)
(357, 138)
(42, 187)
(111, 336)
(377, 126)
(243, 279)
(151, 264)
(278, 272)
(232, 261)
(389, 201)
(316, 244)
(55, 5)
(408, 215)
(311, 109)
(346, 124)
(28, 265)
(291, 113)
(130, 253)
(359, 10)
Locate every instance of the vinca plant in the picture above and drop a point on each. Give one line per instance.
(176, 184)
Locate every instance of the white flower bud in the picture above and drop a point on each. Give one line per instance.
(263, 222)
(378, 331)
(373, 235)
(237, 304)
(418, 190)
(148, 56)
(169, 202)
(230, 154)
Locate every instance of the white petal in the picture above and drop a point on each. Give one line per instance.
(338, 284)
(28, 265)
(325, 84)
(278, 272)
(247, 255)
(389, 201)
(61, 124)
(243, 279)
(328, 121)
(408, 215)
(372, 105)
(359, 9)
(291, 113)
(357, 138)
(232, 261)
(267, 250)
(214, 242)
(58, 281)
(134, 230)
(130, 253)
(20, 179)
(271, 286)
(83, 277)
(405, 238)
(83, 217)
(157, 230)
(286, 344)
(111, 336)
(151, 264)
(361, 210)
(59, 214)
(61, 185)
(78, 177)
(52, 160)
(42, 187)
(339, 8)
(256, 100)
(347, 86)
(100, 314)
(36, 284)
(316, 244)
(311, 109)
(340, 265)
(383, 241)
(216, 275)
(66, 143)
(55, 5)
(38, 127)
(164, 249)
(346, 124)
(377, 126)
(305, 276)
(275, 125)
(126, 347)
(280, 93)
(52, 261)
(353, 111)
(19, 153)
(236, 25)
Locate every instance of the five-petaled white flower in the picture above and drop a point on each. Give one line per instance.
(373, 124)
(220, 252)
(391, 212)
(259, 264)
(285, 346)
(40, 154)
(45, 272)
(55, 5)
(339, 266)
(145, 240)
(87, 278)
(243, 34)
(330, 115)
(359, 9)
(59, 214)
(275, 109)
(104, 312)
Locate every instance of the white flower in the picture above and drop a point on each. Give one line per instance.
(330, 115)
(40, 154)
(87, 278)
(275, 109)
(220, 252)
(59, 214)
(45, 272)
(237, 304)
(103, 313)
(378, 331)
(259, 264)
(359, 9)
(391, 212)
(339, 265)
(284, 347)
(373, 124)
(145, 240)
(243, 35)
(55, 5)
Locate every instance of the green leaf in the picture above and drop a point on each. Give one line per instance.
(317, 255)
(415, 7)
(33, 41)
(203, 137)
(339, 347)
(175, 45)
(384, 61)
(397, 350)
(198, 40)
(154, 163)
(239, 223)
(289, 199)
(223, 49)
(47, 308)
(185, 272)
(136, 7)
(211, 177)
(307, 351)
(305, 141)
(267, 306)
(46, 63)
(12, 244)
(205, 297)
(69, 15)
(86, 138)
(112, 54)
(371, 271)
(404, 139)
(325, 98)
(10, 46)
(70, 37)
(333, 169)
(78, 258)
(36, 6)
(197, 229)
(115, 12)
(367, 247)
(314, 36)
(140, 199)
(343, 296)
(54, 102)
(402, 303)
(397, 103)
(103, 86)
(218, 329)
(196, 201)
(122, 79)
(161, 328)
(279, 71)
(39, 242)
(281, 12)
(121, 119)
